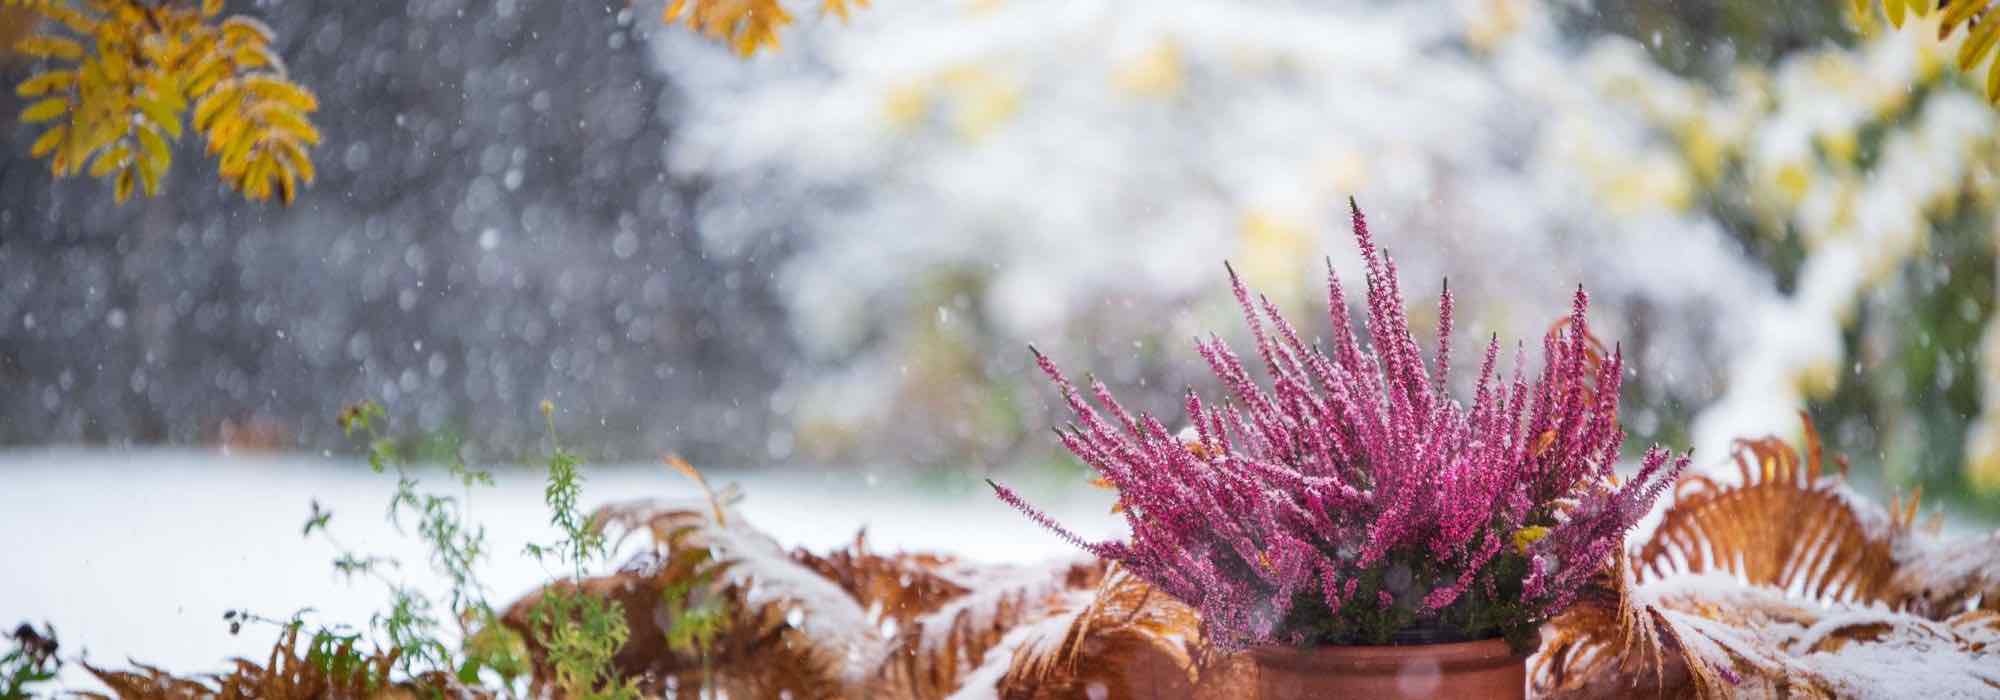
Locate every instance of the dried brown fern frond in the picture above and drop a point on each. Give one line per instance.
(1786, 523)
(145, 682)
(125, 73)
(902, 586)
(946, 648)
(328, 666)
(1609, 645)
(1780, 584)
(1791, 524)
(1782, 525)
(1126, 640)
(1941, 580)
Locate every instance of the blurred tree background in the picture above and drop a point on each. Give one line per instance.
(1708, 38)
(518, 201)
(487, 231)
(1908, 407)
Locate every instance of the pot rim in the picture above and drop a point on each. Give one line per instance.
(1448, 655)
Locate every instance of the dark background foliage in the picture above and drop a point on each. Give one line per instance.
(492, 226)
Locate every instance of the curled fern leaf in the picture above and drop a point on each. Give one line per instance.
(127, 71)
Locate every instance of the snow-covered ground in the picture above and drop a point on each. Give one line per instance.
(137, 554)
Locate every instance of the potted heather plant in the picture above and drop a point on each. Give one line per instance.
(1354, 526)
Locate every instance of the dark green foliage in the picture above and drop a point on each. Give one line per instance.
(1903, 408)
(1708, 37)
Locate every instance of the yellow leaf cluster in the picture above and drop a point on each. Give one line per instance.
(745, 25)
(124, 74)
(1971, 15)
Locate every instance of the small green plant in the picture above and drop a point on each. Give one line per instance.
(698, 615)
(580, 543)
(31, 661)
(411, 624)
(581, 632)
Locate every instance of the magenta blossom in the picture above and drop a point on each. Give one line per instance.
(1355, 497)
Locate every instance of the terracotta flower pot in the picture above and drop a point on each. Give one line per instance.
(1458, 671)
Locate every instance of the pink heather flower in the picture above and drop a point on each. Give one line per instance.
(1356, 472)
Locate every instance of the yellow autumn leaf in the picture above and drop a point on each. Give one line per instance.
(63, 14)
(1977, 45)
(48, 140)
(165, 87)
(222, 100)
(149, 177)
(1955, 15)
(123, 189)
(288, 121)
(256, 56)
(161, 115)
(1993, 82)
(45, 110)
(273, 88)
(269, 177)
(42, 84)
(286, 186)
(257, 178)
(116, 66)
(156, 154)
(141, 68)
(244, 29)
(840, 8)
(207, 73)
(91, 78)
(44, 46)
(234, 157)
(226, 132)
(108, 160)
(745, 26)
(128, 14)
(100, 134)
(295, 159)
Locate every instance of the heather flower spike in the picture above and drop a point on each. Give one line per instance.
(1355, 499)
